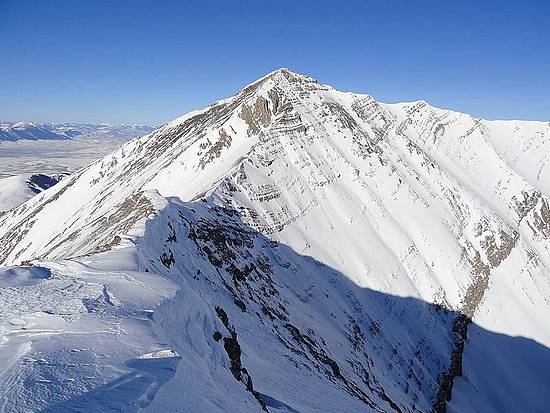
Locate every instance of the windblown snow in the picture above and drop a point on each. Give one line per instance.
(289, 249)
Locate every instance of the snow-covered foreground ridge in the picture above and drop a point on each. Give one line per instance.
(292, 248)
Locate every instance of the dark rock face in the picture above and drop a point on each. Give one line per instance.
(40, 182)
(233, 350)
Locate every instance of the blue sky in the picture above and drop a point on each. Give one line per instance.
(151, 61)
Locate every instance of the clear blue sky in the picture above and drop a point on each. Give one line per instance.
(150, 61)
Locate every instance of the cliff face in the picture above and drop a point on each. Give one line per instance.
(326, 252)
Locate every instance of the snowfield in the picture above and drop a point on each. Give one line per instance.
(289, 249)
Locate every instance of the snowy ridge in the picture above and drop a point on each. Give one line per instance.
(369, 256)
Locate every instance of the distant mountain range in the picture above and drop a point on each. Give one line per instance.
(15, 131)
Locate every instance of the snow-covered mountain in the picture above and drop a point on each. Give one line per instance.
(121, 132)
(16, 189)
(26, 130)
(10, 131)
(290, 249)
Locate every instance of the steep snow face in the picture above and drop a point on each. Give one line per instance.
(342, 244)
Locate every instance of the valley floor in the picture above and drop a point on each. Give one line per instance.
(52, 156)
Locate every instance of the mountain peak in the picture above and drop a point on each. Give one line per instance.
(281, 76)
(278, 212)
(282, 71)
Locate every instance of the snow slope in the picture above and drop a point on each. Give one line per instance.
(292, 248)
(15, 190)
